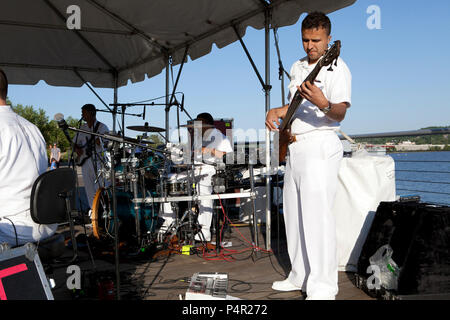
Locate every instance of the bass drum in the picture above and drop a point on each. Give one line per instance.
(102, 216)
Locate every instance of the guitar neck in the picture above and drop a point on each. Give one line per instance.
(297, 99)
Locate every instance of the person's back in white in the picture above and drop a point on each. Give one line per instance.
(23, 158)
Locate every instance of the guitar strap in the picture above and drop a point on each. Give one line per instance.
(89, 144)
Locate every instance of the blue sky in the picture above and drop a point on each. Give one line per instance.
(400, 74)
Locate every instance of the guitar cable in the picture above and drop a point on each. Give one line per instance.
(15, 230)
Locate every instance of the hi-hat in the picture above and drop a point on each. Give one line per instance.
(146, 128)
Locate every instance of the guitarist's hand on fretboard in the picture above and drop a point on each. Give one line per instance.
(78, 150)
(313, 94)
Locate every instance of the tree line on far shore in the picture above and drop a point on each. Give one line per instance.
(437, 139)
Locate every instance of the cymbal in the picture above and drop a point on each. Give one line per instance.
(126, 139)
(146, 128)
(191, 125)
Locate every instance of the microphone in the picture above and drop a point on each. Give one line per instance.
(62, 124)
(59, 118)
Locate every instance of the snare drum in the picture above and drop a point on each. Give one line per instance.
(177, 188)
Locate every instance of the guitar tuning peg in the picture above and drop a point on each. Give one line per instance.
(331, 65)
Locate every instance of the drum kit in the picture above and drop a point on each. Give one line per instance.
(142, 184)
(126, 210)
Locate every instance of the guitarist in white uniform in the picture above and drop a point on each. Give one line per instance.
(312, 165)
(90, 151)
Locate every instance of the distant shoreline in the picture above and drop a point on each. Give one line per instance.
(407, 151)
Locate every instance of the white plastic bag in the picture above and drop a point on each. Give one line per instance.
(389, 271)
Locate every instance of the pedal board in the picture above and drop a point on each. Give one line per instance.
(208, 286)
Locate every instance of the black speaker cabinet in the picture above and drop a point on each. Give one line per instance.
(21, 274)
(419, 235)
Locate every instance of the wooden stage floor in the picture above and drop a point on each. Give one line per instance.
(165, 276)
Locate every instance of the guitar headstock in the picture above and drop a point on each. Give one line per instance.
(331, 54)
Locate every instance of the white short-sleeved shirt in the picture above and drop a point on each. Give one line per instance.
(81, 138)
(215, 139)
(23, 157)
(336, 86)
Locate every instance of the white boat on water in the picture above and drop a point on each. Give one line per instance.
(376, 150)
(373, 150)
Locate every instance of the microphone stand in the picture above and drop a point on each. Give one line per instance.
(115, 217)
(71, 159)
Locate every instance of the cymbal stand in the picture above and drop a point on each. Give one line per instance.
(192, 185)
(137, 206)
(255, 220)
(218, 188)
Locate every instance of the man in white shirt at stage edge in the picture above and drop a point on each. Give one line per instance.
(214, 145)
(94, 156)
(312, 165)
(23, 157)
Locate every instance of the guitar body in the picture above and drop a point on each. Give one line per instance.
(284, 139)
(81, 159)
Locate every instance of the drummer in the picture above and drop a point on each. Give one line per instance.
(214, 145)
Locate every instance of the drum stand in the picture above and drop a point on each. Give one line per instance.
(219, 187)
(189, 215)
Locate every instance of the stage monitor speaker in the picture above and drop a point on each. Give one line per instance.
(21, 274)
(419, 235)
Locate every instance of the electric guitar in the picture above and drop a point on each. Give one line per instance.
(285, 137)
(86, 149)
(85, 155)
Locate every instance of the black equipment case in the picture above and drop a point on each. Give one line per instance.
(419, 235)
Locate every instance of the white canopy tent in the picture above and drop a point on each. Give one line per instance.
(127, 39)
(120, 41)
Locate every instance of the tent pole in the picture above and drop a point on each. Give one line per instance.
(114, 202)
(267, 88)
(114, 113)
(167, 98)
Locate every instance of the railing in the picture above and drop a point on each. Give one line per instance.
(443, 174)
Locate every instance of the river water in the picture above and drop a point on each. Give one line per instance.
(426, 174)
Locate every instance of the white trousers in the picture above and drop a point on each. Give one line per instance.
(89, 177)
(310, 183)
(203, 175)
(27, 230)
